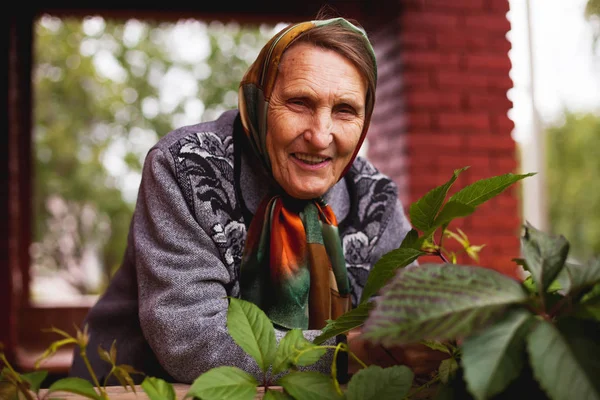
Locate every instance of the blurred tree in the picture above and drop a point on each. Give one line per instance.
(573, 166)
(592, 14)
(104, 92)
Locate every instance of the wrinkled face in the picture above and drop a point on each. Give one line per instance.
(315, 119)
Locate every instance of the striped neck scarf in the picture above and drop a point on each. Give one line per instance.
(293, 264)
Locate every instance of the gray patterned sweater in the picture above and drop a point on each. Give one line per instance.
(166, 305)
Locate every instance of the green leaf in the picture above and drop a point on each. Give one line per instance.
(272, 394)
(436, 345)
(485, 189)
(452, 209)
(411, 240)
(576, 277)
(386, 268)
(423, 211)
(589, 305)
(252, 330)
(494, 357)
(556, 367)
(309, 385)
(447, 370)
(158, 389)
(35, 379)
(345, 322)
(545, 255)
(224, 382)
(78, 386)
(290, 346)
(122, 373)
(376, 383)
(440, 301)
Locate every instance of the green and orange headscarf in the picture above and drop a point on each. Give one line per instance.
(293, 264)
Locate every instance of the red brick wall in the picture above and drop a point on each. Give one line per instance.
(442, 104)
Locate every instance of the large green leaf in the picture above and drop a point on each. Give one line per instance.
(494, 357)
(252, 330)
(158, 389)
(423, 212)
(575, 277)
(438, 302)
(485, 189)
(386, 268)
(289, 347)
(78, 386)
(349, 320)
(545, 255)
(276, 395)
(451, 210)
(376, 383)
(309, 385)
(411, 240)
(35, 379)
(225, 382)
(562, 372)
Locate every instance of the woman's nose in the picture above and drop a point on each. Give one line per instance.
(320, 134)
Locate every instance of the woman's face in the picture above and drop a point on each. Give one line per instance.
(315, 119)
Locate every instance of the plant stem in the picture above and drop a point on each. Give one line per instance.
(441, 255)
(336, 384)
(91, 371)
(424, 386)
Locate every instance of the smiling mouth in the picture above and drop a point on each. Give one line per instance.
(310, 159)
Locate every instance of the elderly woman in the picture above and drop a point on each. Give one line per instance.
(269, 203)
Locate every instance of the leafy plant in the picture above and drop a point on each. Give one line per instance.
(27, 386)
(504, 337)
(431, 213)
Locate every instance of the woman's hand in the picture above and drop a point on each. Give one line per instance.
(418, 357)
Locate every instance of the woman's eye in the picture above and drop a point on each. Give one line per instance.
(298, 102)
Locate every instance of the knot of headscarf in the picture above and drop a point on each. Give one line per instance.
(293, 264)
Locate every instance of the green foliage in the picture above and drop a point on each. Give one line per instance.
(494, 357)
(505, 326)
(344, 323)
(573, 187)
(438, 302)
(375, 383)
(224, 383)
(252, 330)
(158, 389)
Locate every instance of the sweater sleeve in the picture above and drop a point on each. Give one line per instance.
(181, 283)
(393, 234)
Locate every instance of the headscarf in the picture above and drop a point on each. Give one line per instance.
(293, 264)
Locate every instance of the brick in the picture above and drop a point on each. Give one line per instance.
(429, 99)
(488, 62)
(507, 164)
(429, 59)
(502, 124)
(418, 120)
(431, 139)
(489, 23)
(487, 141)
(464, 121)
(458, 5)
(497, 222)
(416, 40)
(427, 21)
(499, 6)
(454, 79)
(489, 102)
(415, 79)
